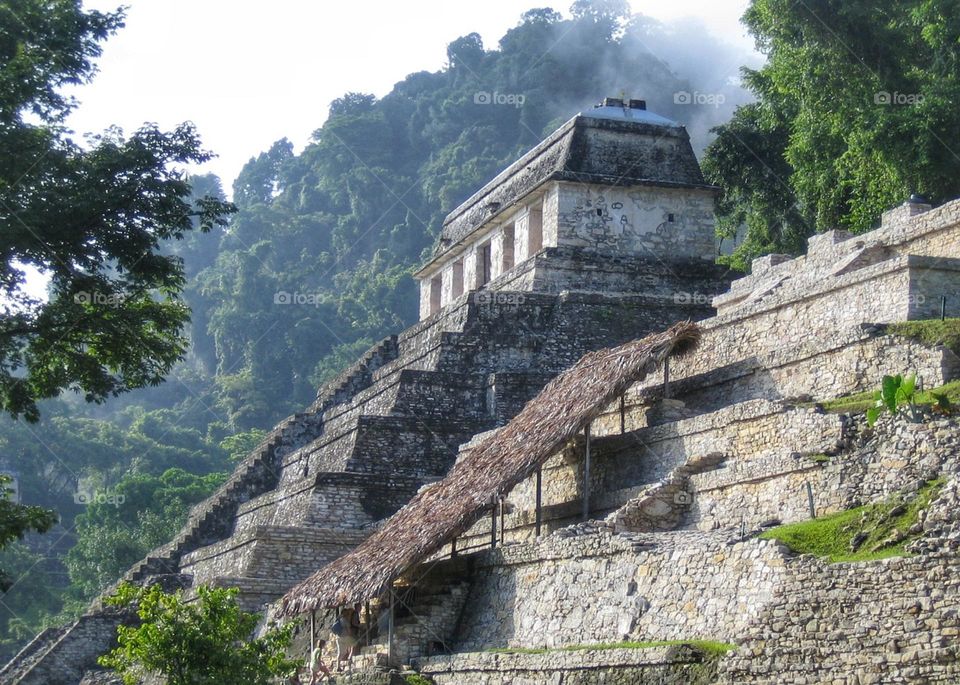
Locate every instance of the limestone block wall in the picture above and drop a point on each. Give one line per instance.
(672, 223)
(676, 665)
(760, 440)
(934, 233)
(684, 283)
(854, 360)
(602, 588)
(863, 465)
(276, 552)
(889, 621)
(335, 500)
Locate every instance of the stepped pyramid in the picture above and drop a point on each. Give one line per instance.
(600, 234)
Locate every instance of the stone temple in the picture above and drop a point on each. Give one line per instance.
(642, 527)
(609, 191)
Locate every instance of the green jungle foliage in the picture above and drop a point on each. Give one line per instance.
(205, 642)
(855, 111)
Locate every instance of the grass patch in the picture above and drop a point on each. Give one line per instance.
(417, 679)
(711, 647)
(930, 332)
(861, 402)
(881, 529)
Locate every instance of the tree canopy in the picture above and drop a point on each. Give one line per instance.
(91, 218)
(856, 110)
(206, 642)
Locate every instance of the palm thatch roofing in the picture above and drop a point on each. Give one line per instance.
(447, 509)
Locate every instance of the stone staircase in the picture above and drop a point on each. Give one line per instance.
(212, 519)
(358, 376)
(31, 653)
(424, 624)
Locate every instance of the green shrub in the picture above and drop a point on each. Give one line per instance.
(897, 393)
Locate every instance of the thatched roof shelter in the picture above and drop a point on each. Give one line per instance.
(445, 510)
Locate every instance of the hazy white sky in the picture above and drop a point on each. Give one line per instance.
(248, 73)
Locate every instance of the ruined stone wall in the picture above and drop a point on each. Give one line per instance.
(277, 552)
(675, 223)
(760, 443)
(654, 666)
(888, 621)
(601, 588)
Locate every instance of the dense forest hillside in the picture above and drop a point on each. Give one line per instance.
(314, 268)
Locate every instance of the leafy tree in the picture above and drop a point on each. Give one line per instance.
(139, 513)
(239, 445)
(855, 111)
(16, 520)
(209, 641)
(91, 218)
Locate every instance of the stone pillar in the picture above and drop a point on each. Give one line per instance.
(425, 309)
(496, 254)
(550, 217)
(456, 284)
(903, 213)
(472, 270)
(446, 287)
(521, 236)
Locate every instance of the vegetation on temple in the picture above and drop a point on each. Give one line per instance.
(874, 531)
(855, 111)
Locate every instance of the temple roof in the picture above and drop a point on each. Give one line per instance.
(622, 145)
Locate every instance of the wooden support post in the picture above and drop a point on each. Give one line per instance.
(453, 549)
(623, 414)
(943, 308)
(390, 629)
(666, 378)
(586, 473)
(313, 629)
(503, 530)
(539, 500)
(813, 509)
(493, 523)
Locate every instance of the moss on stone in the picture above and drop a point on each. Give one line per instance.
(859, 403)
(416, 679)
(874, 531)
(930, 332)
(710, 647)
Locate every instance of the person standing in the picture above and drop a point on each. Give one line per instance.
(347, 631)
(317, 667)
